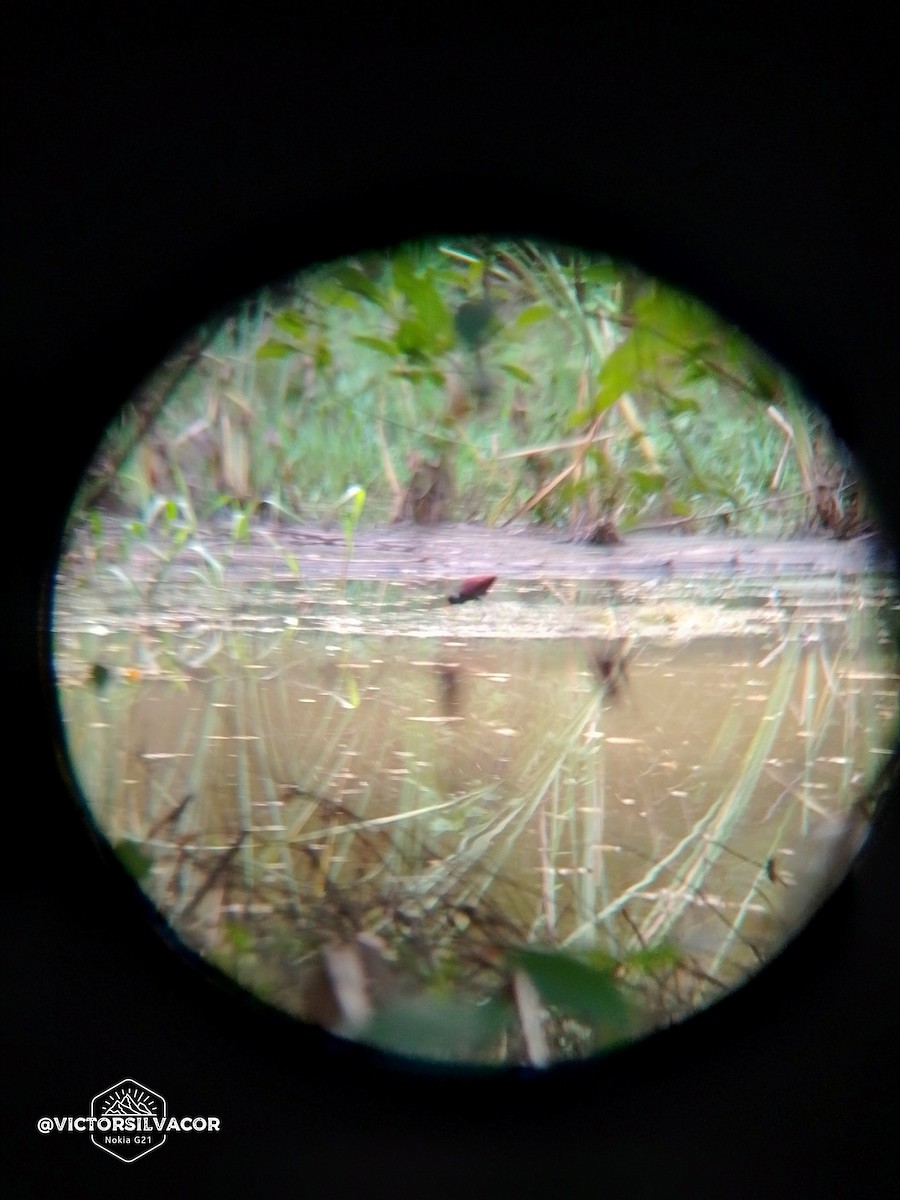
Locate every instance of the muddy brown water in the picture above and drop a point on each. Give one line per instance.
(310, 748)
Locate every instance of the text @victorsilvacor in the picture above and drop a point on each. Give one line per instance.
(141, 1124)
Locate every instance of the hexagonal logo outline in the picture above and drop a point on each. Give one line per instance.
(128, 1098)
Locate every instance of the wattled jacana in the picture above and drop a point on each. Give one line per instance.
(472, 589)
(609, 660)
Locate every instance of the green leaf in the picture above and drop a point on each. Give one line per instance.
(620, 373)
(403, 273)
(414, 374)
(382, 345)
(240, 530)
(272, 348)
(132, 857)
(652, 958)
(358, 282)
(322, 355)
(739, 353)
(438, 1028)
(677, 317)
(677, 405)
(587, 992)
(648, 483)
(764, 378)
(643, 355)
(581, 416)
(530, 316)
(355, 497)
(602, 272)
(238, 937)
(412, 337)
(517, 372)
(431, 313)
(291, 322)
(353, 692)
(600, 960)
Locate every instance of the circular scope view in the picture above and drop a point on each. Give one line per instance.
(478, 649)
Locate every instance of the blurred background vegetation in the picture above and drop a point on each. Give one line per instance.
(479, 380)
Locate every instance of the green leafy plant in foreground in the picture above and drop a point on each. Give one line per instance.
(352, 503)
(585, 989)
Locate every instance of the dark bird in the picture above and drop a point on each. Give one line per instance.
(472, 589)
(609, 660)
(475, 322)
(99, 676)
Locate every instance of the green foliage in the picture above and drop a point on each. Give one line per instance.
(439, 1028)
(352, 502)
(492, 348)
(239, 939)
(132, 857)
(581, 988)
(653, 958)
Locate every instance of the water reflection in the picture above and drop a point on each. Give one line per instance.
(511, 831)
